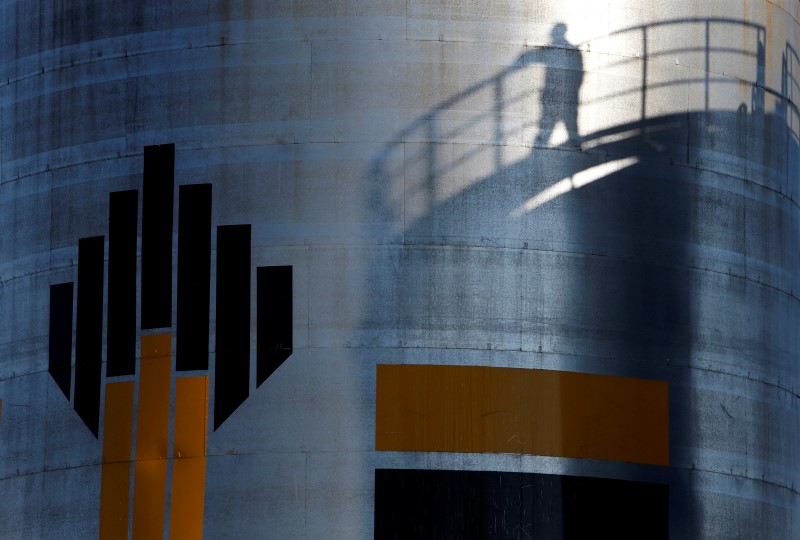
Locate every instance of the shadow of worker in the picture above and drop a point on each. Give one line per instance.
(559, 99)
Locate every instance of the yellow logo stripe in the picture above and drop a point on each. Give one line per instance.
(152, 437)
(422, 408)
(189, 463)
(116, 473)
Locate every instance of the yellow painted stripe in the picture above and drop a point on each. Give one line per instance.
(118, 422)
(156, 346)
(152, 437)
(478, 409)
(149, 498)
(116, 473)
(189, 463)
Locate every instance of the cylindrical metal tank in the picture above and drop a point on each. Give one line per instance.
(399, 269)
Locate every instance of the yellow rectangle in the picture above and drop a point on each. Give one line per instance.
(152, 437)
(152, 427)
(115, 500)
(478, 409)
(116, 472)
(149, 498)
(156, 346)
(189, 465)
(118, 422)
(191, 416)
(188, 498)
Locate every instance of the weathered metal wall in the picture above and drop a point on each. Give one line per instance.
(600, 187)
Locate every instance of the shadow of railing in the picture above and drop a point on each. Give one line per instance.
(604, 245)
(498, 131)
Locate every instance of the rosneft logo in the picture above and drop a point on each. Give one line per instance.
(146, 464)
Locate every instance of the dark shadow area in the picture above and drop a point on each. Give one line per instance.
(598, 254)
(560, 96)
(462, 504)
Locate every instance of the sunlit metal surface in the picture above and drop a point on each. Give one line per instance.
(578, 180)
(601, 187)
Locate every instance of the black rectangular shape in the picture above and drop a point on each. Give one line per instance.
(60, 365)
(123, 219)
(274, 315)
(89, 331)
(159, 165)
(194, 276)
(232, 359)
(510, 505)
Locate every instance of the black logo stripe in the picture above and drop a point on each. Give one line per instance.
(274, 315)
(121, 327)
(159, 165)
(89, 331)
(60, 363)
(232, 359)
(194, 276)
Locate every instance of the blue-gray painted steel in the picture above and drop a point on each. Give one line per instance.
(605, 186)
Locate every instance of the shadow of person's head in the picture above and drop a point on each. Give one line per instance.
(558, 35)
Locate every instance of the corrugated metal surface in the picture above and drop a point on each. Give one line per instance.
(604, 187)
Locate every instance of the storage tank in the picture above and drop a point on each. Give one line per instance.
(399, 269)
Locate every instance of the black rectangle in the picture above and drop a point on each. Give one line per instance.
(60, 365)
(194, 276)
(274, 315)
(510, 505)
(232, 369)
(159, 178)
(89, 331)
(123, 219)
